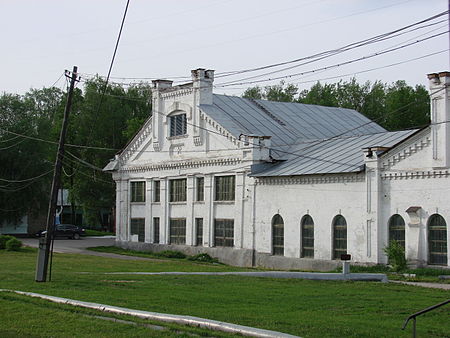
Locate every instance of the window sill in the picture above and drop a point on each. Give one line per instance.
(199, 202)
(177, 137)
(178, 203)
(225, 202)
(137, 203)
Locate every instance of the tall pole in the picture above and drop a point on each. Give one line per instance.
(45, 243)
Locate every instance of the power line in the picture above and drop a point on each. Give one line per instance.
(368, 40)
(230, 83)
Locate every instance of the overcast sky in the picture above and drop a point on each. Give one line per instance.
(166, 39)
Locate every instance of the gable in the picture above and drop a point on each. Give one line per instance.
(414, 153)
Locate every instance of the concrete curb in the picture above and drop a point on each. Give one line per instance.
(178, 319)
(369, 277)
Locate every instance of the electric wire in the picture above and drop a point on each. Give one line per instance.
(363, 58)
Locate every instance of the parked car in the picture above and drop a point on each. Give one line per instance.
(67, 230)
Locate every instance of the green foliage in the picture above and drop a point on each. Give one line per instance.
(281, 92)
(170, 254)
(3, 240)
(38, 114)
(203, 257)
(90, 232)
(395, 107)
(396, 256)
(13, 244)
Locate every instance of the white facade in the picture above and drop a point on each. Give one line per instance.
(410, 179)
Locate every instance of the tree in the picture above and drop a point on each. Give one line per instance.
(394, 107)
(25, 173)
(104, 123)
(280, 92)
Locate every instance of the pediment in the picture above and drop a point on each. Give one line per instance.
(412, 154)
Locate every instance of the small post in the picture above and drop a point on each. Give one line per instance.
(345, 258)
(414, 328)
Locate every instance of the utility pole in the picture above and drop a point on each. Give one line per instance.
(46, 242)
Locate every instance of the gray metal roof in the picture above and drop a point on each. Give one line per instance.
(338, 155)
(286, 122)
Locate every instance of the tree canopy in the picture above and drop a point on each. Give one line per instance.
(29, 131)
(394, 106)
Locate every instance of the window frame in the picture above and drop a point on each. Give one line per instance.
(337, 252)
(200, 189)
(178, 193)
(306, 250)
(434, 230)
(199, 231)
(225, 191)
(177, 125)
(277, 227)
(177, 237)
(396, 230)
(156, 230)
(137, 196)
(156, 191)
(222, 228)
(137, 227)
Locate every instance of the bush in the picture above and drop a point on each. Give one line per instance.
(171, 254)
(3, 240)
(396, 256)
(13, 244)
(203, 257)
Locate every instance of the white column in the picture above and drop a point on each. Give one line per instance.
(239, 209)
(164, 221)
(208, 220)
(190, 198)
(148, 211)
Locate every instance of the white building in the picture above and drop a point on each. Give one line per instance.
(283, 185)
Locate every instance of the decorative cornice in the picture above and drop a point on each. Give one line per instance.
(177, 93)
(140, 137)
(182, 165)
(220, 130)
(406, 151)
(415, 175)
(322, 179)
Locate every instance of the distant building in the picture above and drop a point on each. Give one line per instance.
(282, 185)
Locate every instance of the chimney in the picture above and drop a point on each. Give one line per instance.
(161, 84)
(440, 118)
(202, 81)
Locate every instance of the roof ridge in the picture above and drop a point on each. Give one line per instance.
(265, 110)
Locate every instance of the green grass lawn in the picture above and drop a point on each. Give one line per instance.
(299, 307)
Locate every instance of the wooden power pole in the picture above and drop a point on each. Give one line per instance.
(45, 243)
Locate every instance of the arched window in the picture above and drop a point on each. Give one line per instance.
(437, 240)
(307, 233)
(339, 236)
(397, 229)
(278, 235)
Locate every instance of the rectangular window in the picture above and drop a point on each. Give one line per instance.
(199, 231)
(138, 191)
(224, 188)
(224, 232)
(156, 191)
(178, 125)
(177, 230)
(200, 189)
(178, 190)
(137, 227)
(156, 230)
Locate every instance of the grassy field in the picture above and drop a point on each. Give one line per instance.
(299, 307)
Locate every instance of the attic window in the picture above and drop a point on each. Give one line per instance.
(178, 125)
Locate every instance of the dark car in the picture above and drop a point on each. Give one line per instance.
(67, 230)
